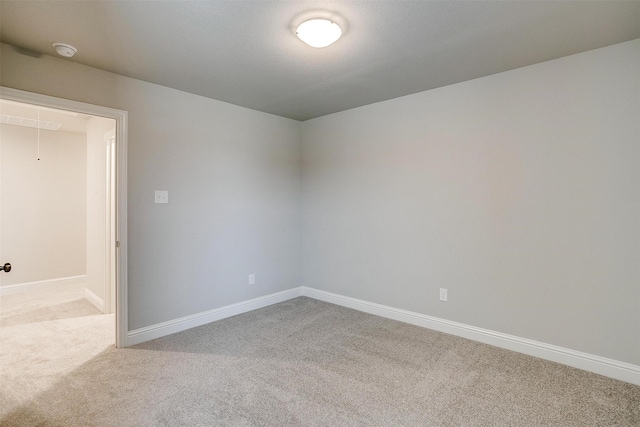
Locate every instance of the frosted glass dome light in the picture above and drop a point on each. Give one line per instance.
(319, 32)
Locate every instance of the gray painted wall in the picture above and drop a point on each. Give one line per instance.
(233, 177)
(518, 192)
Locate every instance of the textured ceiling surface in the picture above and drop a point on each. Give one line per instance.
(246, 52)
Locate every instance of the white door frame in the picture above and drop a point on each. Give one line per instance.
(120, 117)
(110, 224)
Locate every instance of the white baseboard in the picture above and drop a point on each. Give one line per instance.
(158, 330)
(94, 299)
(41, 284)
(585, 361)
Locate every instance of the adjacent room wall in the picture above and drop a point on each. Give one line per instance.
(233, 177)
(43, 204)
(518, 192)
(97, 274)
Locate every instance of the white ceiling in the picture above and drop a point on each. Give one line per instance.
(246, 53)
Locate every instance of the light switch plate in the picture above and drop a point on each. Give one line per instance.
(162, 196)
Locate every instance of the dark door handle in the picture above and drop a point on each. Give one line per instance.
(6, 267)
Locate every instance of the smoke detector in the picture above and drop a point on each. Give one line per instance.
(65, 50)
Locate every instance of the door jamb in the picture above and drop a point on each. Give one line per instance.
(121, 118)
(110, 216)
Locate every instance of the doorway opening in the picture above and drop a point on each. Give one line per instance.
(52, 223)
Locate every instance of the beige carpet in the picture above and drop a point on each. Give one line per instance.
(44, 336)
(309, 363)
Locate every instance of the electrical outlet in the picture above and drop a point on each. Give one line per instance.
(162, 196)
(443, 294)
(252, 279)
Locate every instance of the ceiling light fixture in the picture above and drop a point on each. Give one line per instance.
(319, 32)
(65, 50)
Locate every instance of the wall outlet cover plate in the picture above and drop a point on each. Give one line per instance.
(162, 196)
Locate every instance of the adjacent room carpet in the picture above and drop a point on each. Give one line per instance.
(44, 336)
(308, 363)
